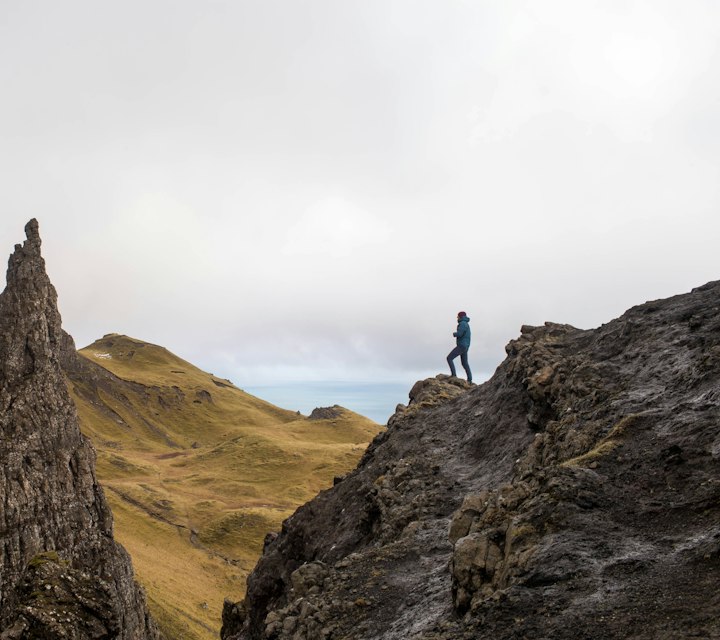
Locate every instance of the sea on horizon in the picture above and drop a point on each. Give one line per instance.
(375, 400)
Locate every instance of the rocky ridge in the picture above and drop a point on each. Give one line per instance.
(575, 495)
(63, 575)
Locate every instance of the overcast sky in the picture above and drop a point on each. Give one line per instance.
(312, 189)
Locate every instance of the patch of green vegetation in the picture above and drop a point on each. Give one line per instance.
(172, 625)
(602, 449)
(45, 557)
(208, 506)
(122, 464)
(521, 532)
(147, 487)
(163, 505)
(246, 528)
(609, 443)
(621, 428)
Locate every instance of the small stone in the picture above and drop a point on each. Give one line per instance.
(289, 624)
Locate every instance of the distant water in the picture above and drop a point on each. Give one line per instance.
(375, 400)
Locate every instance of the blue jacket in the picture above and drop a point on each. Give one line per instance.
(463, 333)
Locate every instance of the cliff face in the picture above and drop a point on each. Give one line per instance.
(62, 573)
(576, 494)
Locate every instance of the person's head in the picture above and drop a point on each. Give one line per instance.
(461, 314)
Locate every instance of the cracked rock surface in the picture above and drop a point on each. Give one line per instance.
(575, 495)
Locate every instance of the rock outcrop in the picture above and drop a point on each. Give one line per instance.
(575, 495)
(63, 575)
(326, 413)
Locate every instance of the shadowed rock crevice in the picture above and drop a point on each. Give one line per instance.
(55, 525)
(575, 495)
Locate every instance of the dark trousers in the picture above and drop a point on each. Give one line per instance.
(462, 352)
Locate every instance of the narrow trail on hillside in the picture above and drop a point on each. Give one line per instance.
(192, 534)
(144, 508)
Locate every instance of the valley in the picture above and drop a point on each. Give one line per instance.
(197, 471)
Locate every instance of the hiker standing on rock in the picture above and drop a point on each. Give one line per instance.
(462, 341)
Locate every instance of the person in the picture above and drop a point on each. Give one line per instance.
(462, 340)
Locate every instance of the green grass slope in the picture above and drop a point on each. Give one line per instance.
(198, 471)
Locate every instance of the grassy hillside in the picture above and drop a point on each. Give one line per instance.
(198, 471)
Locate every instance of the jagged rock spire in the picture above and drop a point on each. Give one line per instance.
(30, 323)
(55, 524)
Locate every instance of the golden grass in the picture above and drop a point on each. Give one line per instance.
(602, 449)
(610, 442)
(197, 472)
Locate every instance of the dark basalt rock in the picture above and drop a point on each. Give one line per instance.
(63, 575)
(326, 413)
(574, 495)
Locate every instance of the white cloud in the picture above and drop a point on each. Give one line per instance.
(335, 227)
